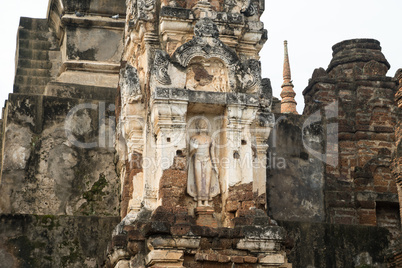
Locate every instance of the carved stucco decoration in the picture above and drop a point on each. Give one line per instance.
(266, 92)
(205, 44)
(132, 10)
(161, 66)
(203, 174)
(146, 9)
(210, 65)
(207, 75)
(252, 9)
(130, 85)
(237, 6)
(251, 76)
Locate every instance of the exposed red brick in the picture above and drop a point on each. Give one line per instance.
(367, 217)
(180, 229)
(223, 258)
(232, 206)
(250, 259)
(237, 259)
(211, 257)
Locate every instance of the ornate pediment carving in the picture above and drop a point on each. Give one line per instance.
(205, 63)
(205, 44)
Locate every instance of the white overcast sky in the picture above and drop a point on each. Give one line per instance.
(311, 27)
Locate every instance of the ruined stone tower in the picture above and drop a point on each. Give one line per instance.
(194, 117)
(140, 133)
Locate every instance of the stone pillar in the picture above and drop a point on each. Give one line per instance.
(239, 140)
(263, 125)
(169, 126)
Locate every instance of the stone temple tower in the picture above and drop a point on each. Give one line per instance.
(193, 122)
(137, 136)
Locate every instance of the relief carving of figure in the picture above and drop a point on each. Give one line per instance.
(202, 183)
(207, 75)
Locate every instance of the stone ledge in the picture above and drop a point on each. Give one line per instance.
(205, 97)
(93, 21)
(94, 7)
(77, 91)
(176, 12)
(91, 66)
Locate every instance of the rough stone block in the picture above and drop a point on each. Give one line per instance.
(272, 259)
(165, 258)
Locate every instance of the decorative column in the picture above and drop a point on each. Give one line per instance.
(263, 126)
(168, 117)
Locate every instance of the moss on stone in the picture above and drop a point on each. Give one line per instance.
(48, 221)
(24, 249)
(35, 141)
(74, 256)
(96, 190)
(93, 195)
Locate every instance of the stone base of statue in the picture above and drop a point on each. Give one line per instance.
(205, 217)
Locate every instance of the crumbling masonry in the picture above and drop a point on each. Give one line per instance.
(140, 133)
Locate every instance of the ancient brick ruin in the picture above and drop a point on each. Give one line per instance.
(142, 134)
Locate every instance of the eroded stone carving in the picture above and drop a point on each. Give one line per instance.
(251, 77)
(205, 44)
(145, 9)
(266, 92)
(207, 75)
(212, 66)
(161, 66)
(251, 10)
(202, 183)
(130, 85)
(237, 6)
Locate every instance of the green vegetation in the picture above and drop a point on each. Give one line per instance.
(95, 193)
(48, 221)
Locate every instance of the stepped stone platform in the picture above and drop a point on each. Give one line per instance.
(38, 56)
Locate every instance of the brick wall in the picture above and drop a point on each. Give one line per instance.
(397, 163)
(366, 118)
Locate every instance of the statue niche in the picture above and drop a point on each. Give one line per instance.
(207, 75)
(202, 182)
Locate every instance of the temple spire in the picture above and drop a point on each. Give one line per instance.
(288, 103)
